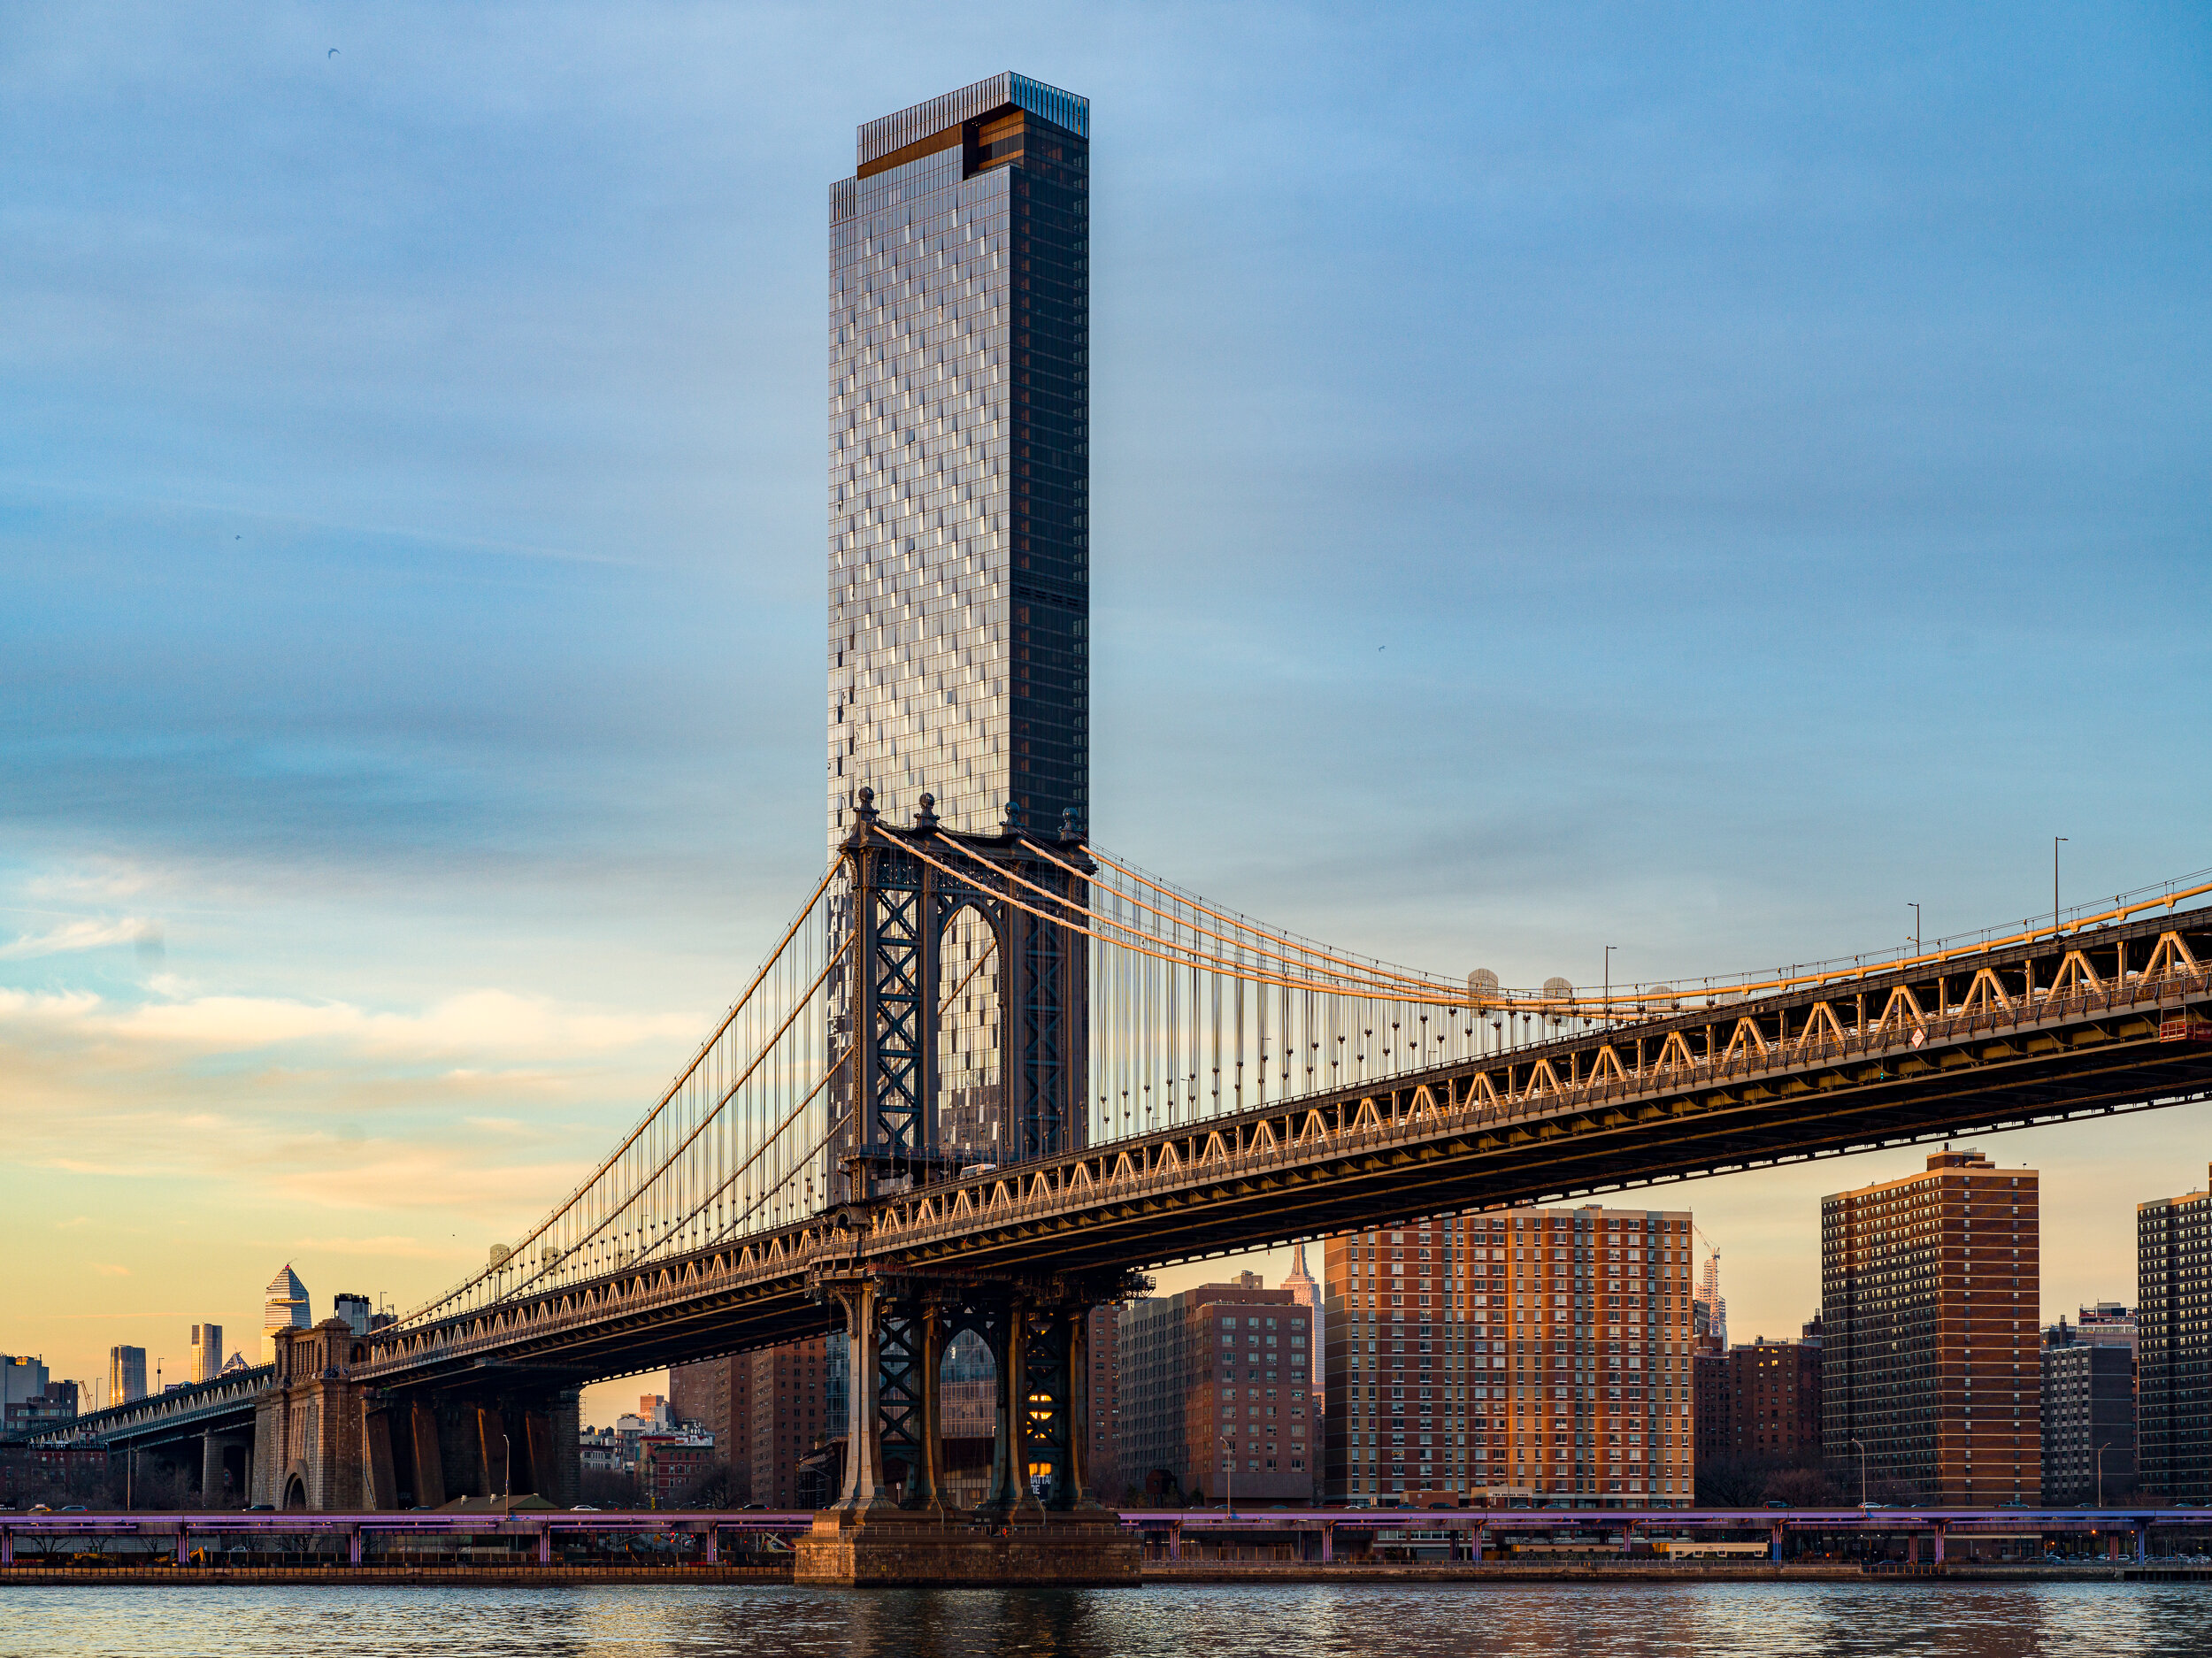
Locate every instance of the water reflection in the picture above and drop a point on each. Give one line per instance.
(1315, 1620)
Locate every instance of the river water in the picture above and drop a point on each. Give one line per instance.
(1183, 1621)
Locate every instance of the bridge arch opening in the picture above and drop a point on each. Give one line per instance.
(294, 1495)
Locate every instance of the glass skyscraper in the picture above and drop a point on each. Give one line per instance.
(958, 461)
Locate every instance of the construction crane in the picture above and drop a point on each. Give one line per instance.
(1707, 1288)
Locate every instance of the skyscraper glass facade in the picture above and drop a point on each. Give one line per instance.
(959, 460)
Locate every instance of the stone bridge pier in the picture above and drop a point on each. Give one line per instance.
(324, 1442)
(486, 1443)
(226, 1469)
(891, 1524)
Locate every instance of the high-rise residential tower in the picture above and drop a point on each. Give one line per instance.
(1543, 1353)
(1215, 1395)
(2173, 1313)
(1931, 1378)
(959, 469)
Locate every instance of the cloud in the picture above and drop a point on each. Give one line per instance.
(475, 1026)
(383, 1248)
(79, 935)
(109, 1272)
(72, 1223)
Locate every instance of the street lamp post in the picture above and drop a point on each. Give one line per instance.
(1862, 1474)
(2102, 1449)
(2056, 841)
(1916, 927)
(1228, 1477)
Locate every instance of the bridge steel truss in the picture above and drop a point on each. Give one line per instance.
(2077, 1025)
(899, 1322)
(886, 1024)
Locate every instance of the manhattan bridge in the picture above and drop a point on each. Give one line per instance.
(991, 1072)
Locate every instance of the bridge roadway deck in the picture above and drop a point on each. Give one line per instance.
(2050, 1032)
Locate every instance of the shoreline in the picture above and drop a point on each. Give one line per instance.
(1156, 1575)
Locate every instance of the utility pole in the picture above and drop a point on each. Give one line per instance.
(2056, 841)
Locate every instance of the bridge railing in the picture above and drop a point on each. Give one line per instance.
(1013, 1195)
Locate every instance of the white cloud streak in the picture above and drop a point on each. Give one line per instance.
(475, 1028)
(87, 934)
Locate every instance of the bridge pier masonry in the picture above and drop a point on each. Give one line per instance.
(892, 1526)
(326, 1442)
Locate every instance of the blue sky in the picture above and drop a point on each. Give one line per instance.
(1688, 481)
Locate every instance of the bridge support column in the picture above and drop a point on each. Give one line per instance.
(427, 1460)
(380, 1477)
(897, 1326)
(494, 1450)
(557, 1458)
(211, 1470)
(1937, 1531)
(865, 1487)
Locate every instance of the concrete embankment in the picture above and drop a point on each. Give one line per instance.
(442, 1576)
(1156, 1573)
(1293, 1572)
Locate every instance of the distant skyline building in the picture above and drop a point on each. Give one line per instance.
(1711, 1306)
(1931, 1374)
(207, 1353)
(353, 1308)
(126, 1374)
(2104, 1325)
(959, 469)
(21, 1379)
(284, 1307)
(2173, 1316)
(1306, 1290)
(1216, 1395)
